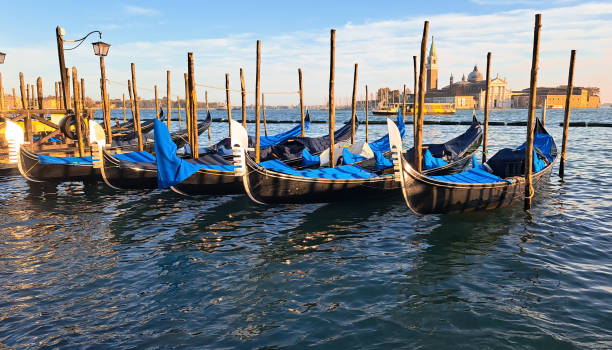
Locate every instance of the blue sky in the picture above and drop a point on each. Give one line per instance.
(381, 36)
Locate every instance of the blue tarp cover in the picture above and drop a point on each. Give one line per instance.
(143, 156)
(378, 147)
(474, 175)
(308, 159)
(431, 162)
(544, 142)
(171, 169)
(43, 159)
(341, 172)
(350, 158)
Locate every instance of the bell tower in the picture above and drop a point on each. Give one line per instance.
(432, 67)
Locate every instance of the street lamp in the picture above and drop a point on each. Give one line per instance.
(100, 49)
(2, 56)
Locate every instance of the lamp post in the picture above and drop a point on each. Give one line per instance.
(100, 49)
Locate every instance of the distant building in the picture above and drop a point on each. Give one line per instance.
(467, 93)
(555, 97)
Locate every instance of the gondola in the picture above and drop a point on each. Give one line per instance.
(39, 167)
(275, 182)
(498, 183)
(140, 170)
(205, 181)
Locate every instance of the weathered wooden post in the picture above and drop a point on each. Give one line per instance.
(206, 103)
(28, 100)
(366, 112)
(486, 110)
(168, 102)
(178, 106)
(137, 108)
(531, 116)
(57, 101)
(544, 107)
(354, 107)
(124, 112)
(243, 95)
(332, 102)
(59, 34)
(15, 100)
(156, 103)
(414, 102)
(24, 102)
(187, 114)
(193, 106)
(263, 110)
(82, 88)
(77, 111)
(130, 94)
(418, 147)
(566, 117)
(105, 106)
(257, 86)
(39, 95)
(228, 104)
(301, 87)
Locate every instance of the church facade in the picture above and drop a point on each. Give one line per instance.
(468, 93)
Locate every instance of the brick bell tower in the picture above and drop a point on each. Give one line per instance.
(432, 67)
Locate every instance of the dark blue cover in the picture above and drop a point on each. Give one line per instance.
(341, 172)
(76, 161)
(431, 162)
(474, 175)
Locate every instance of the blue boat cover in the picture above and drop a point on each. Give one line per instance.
(431, 162)
(171, 169)
(310, 160)
(143, 156)
(378, 147)
(341, 172)
(471, 176)
(350, 158)
(544, 142)
(76, 161)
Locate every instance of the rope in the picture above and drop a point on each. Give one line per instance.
(248, 91)
(140, 88)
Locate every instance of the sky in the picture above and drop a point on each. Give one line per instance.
(380, 36)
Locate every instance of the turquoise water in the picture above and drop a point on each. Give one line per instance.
(86, 266)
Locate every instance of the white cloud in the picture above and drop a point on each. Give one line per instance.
(383, 49)
(140, 11)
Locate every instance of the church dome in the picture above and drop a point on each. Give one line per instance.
(475, 75)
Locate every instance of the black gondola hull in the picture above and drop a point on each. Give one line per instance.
(210, 182)
(128, 175)
(32, 170)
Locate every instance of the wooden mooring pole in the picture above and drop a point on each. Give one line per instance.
(332, 105)
(24, 102)
(414, 102)
(124, 113)
(156, 103)
(354, 107)
(257, 87)
(193, 106)
(531, 115)
(178, 106)
(168, 102)
(206, 103)
(404, 103)
(105, 103)
(301, 89)
(137, 109)
(243, 96)
(366, 114)
(228, 104)
(486, 110)
(78, 112)
(421, 118)
(39, 95)
(566, 117)
(187, 113)
(131, 95)
(57, 102)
